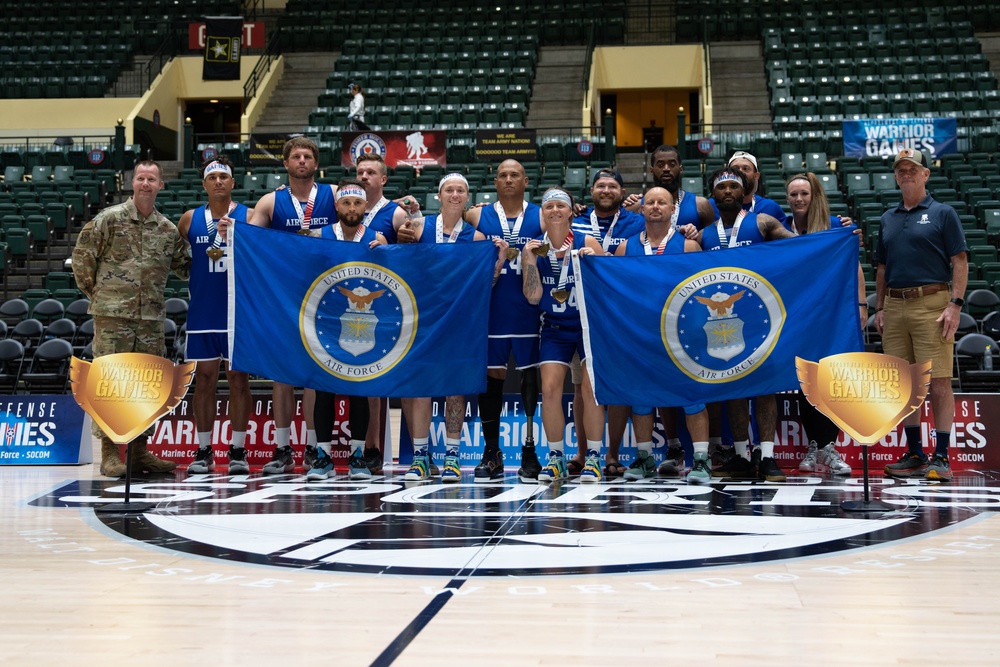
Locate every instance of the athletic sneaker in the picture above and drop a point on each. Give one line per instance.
(555, 468)
(357, 467)
(373, 460)
(530, 466)
(452, 472)
(238, 461)
(939, 469)
(701, 471)
(828, 459)
(204, 462)
(434, 470)
(591, 468)
(322, 467)
(644, 466)
(310, 457)
(673, 464)
(808, 462)
(420, 469)
(768, 471)
(490, 468)
(909, 465)
(736, 467)
(280, 463)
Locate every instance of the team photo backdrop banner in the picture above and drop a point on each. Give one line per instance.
(43, 430)
(885, 137)
(413, 148)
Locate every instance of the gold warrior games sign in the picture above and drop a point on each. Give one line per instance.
(864, 393)
(126, 393)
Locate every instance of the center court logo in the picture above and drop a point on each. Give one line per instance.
(358, 320)
(721, 324)
(503, 529)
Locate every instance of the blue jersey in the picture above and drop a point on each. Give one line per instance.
(382, 221)
(209, 283)
(286, 219)
(429, 234)
(749, 234)
(565, 314)
(510, 312)
(635, 248)
(628, 224)
(688, 210)
(329, 232)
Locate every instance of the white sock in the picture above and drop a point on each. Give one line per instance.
(420, 446)
(701, 448)
(452, 443)
(311, 437)
(556, 446)
(281, 436)
(239, 439)
(204, 439)
(743, 448)
(594, 445)
(766, 449)
(646, 446)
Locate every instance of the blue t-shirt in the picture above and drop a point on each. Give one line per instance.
(382, 221)
(749, 234)
(635, 246)
(286, 219)
(510, 313)
(628, 224)
(916, 246)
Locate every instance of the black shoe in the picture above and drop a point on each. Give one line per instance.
(736, 467)
(238, 464)
(490, 468)
(282, 462)
(530, 467)
(373, 459)
(309, 459)
(768, 471)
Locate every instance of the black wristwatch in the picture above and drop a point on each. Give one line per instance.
(957, 301)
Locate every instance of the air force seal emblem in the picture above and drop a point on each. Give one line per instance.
(358, 320)
(721, 324)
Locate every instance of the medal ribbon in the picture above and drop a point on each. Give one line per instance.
(339, 231)
(304, 217)
(562, 270)
(375, 209)
(211, 227)
(439, 231)
(731, 241)
(606, 242)
(660, 248)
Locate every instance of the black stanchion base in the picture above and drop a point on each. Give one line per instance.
(866, 506)
(124, 508)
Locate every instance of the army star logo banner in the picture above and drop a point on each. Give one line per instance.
(673, 330)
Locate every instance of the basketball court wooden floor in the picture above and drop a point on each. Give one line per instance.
(252, 571)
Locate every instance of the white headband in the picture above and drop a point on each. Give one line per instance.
(727, 177)
(557, 195)
(351, 191)
(450, 177)
(217, 166)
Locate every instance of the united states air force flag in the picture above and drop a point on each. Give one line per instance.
(673, 330)
(397, 321)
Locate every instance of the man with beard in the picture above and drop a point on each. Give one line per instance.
(746, 164)
(207, 336)
(301, 207)
(738, 227)
(514, 323)
(610, 224)
(689, 208)
(350, 203)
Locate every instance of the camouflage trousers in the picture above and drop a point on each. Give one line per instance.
(114, 335)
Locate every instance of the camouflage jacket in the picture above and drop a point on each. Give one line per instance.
(121, 262)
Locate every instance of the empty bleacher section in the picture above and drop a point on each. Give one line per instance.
(62, 48)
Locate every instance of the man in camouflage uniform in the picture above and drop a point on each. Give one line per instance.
(121, 262)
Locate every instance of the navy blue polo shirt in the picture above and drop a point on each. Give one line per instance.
(916, 246)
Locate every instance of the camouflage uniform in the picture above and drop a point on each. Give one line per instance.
(122, 262)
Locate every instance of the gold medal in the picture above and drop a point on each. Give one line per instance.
(215, 253)
(542, 250)
(512, 253)
(560, 295)
(303, 232)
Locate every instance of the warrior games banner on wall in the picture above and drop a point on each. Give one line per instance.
(413, 148)
(887, 136)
